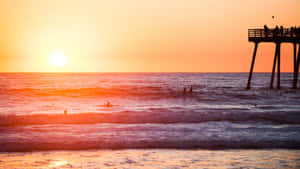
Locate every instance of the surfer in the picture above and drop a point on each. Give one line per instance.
(108, 104)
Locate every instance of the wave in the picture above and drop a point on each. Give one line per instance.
(210, 135)
(160, 116)
(119, 91)
(88, 145)
(160, 91)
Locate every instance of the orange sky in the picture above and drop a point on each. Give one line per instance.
(140, 35)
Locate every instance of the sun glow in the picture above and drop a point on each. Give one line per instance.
(58, 59)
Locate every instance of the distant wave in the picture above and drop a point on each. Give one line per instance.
(200, 92)
(160, 116)
(140, 91)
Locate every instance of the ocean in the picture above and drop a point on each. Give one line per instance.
(149, 112)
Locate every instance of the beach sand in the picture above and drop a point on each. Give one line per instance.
(153, 158)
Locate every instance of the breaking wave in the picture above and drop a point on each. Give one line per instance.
(208, 135)
(160, 116)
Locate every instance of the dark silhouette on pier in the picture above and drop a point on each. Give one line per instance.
(276, 35)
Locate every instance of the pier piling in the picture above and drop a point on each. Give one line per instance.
(274, 66)
(278, 66)
(295, 66)
(252, 65)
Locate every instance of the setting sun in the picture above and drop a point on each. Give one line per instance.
(57, 59)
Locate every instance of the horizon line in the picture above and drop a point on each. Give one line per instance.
(140, 72)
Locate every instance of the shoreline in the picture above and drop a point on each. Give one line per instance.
(153, 158)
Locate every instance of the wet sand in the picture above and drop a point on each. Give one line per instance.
(153, 158)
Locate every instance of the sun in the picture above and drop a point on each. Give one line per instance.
(58, 59)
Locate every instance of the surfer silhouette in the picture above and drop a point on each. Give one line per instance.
(184, 90)
(108, 104)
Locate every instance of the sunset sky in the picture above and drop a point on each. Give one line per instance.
(140, 35)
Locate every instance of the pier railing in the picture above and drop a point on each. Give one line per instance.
(273, 35)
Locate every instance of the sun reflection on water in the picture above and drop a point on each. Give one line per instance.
(58, 163)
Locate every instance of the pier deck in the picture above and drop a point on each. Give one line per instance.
(286, 35)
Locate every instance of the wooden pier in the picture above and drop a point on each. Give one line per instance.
(277, 36)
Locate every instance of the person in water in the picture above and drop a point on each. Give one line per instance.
(108, 104)
(185, 90)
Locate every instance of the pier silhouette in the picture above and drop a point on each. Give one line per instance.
(276, 35)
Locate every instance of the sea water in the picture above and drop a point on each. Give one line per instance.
(150, 110)
(182, 111)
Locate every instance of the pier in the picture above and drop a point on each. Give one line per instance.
(277, 36)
